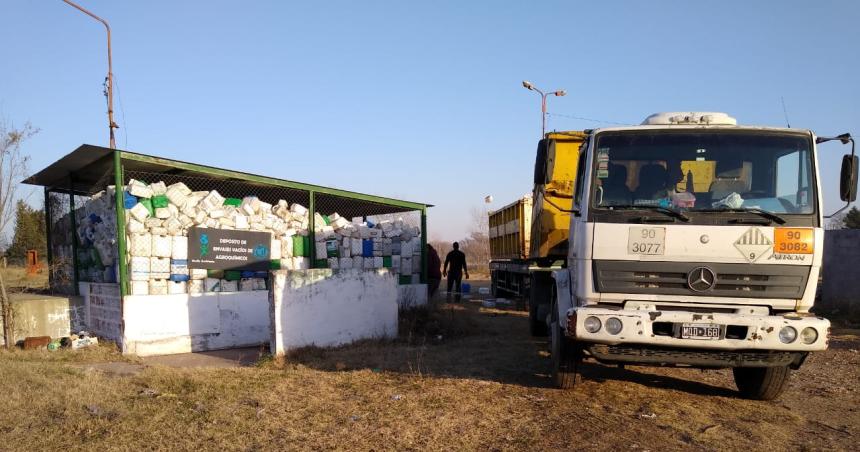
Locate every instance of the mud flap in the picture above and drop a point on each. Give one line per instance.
(563, 300)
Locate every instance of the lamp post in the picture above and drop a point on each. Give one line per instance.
(109, 79)
(528, 85)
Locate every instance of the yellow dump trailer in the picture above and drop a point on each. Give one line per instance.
(510, 239)
(510, 230)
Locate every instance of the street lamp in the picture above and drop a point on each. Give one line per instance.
(109, 79)
(528, 85)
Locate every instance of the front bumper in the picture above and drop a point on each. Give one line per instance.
(662, 328)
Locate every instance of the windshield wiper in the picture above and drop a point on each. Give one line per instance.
(761, 212)
(665, 210)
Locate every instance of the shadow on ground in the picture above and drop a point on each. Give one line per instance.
(468, 341)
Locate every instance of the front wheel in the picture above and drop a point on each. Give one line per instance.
(565, 356)
(761, 383)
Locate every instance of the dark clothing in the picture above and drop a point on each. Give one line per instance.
(457, 261)
(433, 284)
(434, 265)
(455, 283)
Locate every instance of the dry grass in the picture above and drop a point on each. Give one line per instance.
(482, 387)
(17, 279)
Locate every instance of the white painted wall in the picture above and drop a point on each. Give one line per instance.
(327, 308)
(168, 324)
(411, 295)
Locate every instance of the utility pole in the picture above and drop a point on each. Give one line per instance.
(527, 85)
(109, 79)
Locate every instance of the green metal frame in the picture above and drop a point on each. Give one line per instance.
(424, 246)
(122, 277)
(312, 221)
(119, 166)
(48, 240)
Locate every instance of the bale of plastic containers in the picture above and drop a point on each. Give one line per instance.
(158, 217)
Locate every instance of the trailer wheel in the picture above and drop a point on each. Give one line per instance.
(761, 383)
(565, 354)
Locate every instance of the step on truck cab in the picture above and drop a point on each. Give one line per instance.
(696, 242)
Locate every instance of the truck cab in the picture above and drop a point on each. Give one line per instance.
(693, 242)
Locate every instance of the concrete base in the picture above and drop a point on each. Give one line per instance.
(169, 324)
(327, 308)
(46, 315)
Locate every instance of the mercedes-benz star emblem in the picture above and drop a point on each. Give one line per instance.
(701, 279)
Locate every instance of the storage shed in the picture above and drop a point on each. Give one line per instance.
(185, 265)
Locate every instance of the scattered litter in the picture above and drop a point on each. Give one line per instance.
(484, 290)
(648, 416)
(397, 397)
(148, 392)
(488, 303)
(35, 342)
(503, 301)
(97, 411)
(708, 428)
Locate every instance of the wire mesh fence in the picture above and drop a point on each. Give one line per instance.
(84, 238)
(228, 188)
(368, 235)
(67, 253)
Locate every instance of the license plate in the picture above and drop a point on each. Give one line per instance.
(647, 241)
(700, 331)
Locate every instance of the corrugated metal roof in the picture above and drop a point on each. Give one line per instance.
(87, 168)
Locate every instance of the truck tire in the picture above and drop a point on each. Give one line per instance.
(565, 356)
(761, 383)
(539, 293)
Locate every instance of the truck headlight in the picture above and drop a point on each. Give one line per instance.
(592, 324)
(613, 325)
(787, 335)
(809, 335)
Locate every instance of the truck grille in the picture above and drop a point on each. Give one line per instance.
(670, 278)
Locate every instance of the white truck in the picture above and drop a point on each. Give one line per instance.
(695, 242)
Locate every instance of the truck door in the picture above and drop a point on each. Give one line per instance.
(578, 221)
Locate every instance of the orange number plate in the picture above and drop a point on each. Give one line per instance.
(793, 241)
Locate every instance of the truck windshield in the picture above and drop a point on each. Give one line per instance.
(704, 171)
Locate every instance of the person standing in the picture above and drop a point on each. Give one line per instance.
(457, 261)
(434, 270)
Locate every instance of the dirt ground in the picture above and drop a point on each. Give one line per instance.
(462, 378)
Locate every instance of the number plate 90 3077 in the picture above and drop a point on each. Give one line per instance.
(648, 241)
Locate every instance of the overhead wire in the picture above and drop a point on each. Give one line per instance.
(122, 112)
(589, 119)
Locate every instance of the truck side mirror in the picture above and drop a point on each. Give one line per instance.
(540, 163)
(848, 178)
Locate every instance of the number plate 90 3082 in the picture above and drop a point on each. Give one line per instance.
(648, 241)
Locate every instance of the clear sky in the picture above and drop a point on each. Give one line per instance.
(420, 101)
